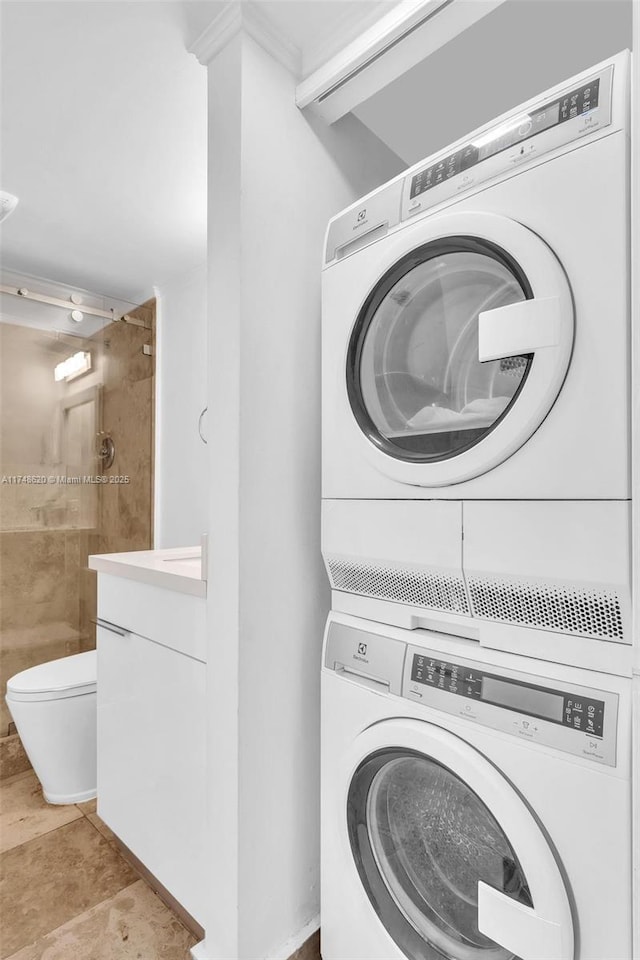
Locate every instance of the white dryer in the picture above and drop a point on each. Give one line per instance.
(475, 805)
(476, 368)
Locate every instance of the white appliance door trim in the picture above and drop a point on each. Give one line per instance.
(519, 328)
(516, 927)
(551, 309)
(549, 925)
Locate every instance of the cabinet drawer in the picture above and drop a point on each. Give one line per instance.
(151, 759)
(173, 619)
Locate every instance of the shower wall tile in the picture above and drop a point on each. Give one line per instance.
(23, 614)
(23, 647)
(31, 565)
(126, 508)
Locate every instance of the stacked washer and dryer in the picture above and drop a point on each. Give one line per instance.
(476, 679)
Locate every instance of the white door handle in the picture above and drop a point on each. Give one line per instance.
(518, 328)
(520, 929)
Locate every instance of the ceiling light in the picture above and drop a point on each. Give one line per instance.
(8, 203)
(73, 366)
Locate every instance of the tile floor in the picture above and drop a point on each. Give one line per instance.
(66, 893)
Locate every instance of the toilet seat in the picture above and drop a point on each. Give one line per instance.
(73, 676)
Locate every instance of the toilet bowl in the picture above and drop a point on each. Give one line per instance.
(54, 709)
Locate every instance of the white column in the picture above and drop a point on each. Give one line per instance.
(274, 181)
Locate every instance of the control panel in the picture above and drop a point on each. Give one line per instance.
(573, 718)
(558, 121)
(567, 717)
(568, 708)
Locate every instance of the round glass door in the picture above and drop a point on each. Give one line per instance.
(422, 840)
(416, 385)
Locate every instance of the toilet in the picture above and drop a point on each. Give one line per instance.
(54, 709)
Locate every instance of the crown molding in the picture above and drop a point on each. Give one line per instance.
(217, 34)
(245, 15)
(351, 24)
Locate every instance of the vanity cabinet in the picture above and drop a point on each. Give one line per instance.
(151, 730)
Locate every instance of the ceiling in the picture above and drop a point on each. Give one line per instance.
(104, 142)
(104, 132)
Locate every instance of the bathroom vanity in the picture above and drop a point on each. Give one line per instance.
(151, 645)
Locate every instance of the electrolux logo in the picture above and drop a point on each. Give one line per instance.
(361, 219)
(362, 653)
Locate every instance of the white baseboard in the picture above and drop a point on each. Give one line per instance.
(199, 951)
(288, 948)
(294, 943)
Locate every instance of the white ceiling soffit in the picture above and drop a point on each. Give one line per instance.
(466, 95)
(396, 43)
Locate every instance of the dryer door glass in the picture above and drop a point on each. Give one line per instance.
(416, 385)
(422, 840)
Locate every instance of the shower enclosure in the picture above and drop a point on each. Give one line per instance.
(76, 463)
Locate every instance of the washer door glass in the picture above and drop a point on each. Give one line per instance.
(422, 839)
(415, 383)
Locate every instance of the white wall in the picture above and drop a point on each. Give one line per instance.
(181, 494)
(274, 182)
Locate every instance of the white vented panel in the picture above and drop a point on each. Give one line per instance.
(407, 551)
(400, 583)
(559, 566)
(568, 609)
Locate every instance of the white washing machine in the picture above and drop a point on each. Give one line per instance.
(475, 805)
(476, 359)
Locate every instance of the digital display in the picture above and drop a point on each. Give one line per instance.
(513, 131)
(567, 708)
(523, 698)
(521, 128)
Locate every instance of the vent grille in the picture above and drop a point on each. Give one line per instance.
(437, 591)
(589, 613)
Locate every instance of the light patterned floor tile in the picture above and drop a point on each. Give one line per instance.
(24, 813)
(132, 925)
(46, 882)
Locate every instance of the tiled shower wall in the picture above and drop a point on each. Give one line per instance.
(47, 531)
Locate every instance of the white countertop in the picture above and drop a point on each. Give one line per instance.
(178, 568)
